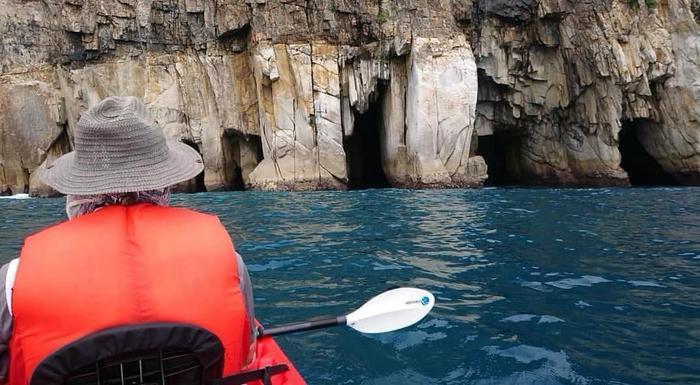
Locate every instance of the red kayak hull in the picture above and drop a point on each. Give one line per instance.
(268, 353)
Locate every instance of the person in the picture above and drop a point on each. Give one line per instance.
(124, 256)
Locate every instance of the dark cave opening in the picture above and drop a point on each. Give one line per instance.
(232, 162)
(363, 150)
(195, 184)
(241, 154)
(501, 151)
(641, 167)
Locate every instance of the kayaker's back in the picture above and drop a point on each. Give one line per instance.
(125, 265)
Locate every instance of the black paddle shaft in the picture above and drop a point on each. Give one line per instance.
(303, 326)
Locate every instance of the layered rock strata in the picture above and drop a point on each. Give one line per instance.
(271, 92)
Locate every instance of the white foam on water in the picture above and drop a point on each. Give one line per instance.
(16, 196)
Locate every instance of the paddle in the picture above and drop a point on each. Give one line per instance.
(392, 310)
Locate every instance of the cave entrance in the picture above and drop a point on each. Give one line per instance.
(641, 167)
(242, 153)
(195, 184)
(501, 151)
(363, 150)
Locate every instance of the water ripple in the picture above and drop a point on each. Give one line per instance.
(533, 286)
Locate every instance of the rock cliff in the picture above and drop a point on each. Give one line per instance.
(562, 80)
(350, 93)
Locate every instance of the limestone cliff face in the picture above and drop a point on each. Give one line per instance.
(294, 94)
(563, 78)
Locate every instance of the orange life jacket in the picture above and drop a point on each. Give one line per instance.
(126, 265)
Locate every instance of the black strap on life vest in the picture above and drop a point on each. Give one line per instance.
(243, 378)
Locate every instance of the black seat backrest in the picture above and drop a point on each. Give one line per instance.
(142, 354)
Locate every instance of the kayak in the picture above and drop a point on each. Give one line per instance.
(269, 354)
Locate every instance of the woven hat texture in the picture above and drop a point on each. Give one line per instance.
(120, 148)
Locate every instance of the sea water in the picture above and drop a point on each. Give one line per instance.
(533, 286)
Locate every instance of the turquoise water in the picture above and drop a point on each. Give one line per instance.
(534, 286)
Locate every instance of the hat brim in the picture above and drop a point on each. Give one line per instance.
(183, 163)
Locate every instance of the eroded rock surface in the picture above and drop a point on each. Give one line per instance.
(272, 92)
(566, 82)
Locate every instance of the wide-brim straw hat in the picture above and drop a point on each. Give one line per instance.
(120, 148)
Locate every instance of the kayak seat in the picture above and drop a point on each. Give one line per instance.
(141, 354)
(145, 354)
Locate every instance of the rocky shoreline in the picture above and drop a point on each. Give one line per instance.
(299, 95)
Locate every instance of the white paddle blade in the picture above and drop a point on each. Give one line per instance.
(392, 310)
